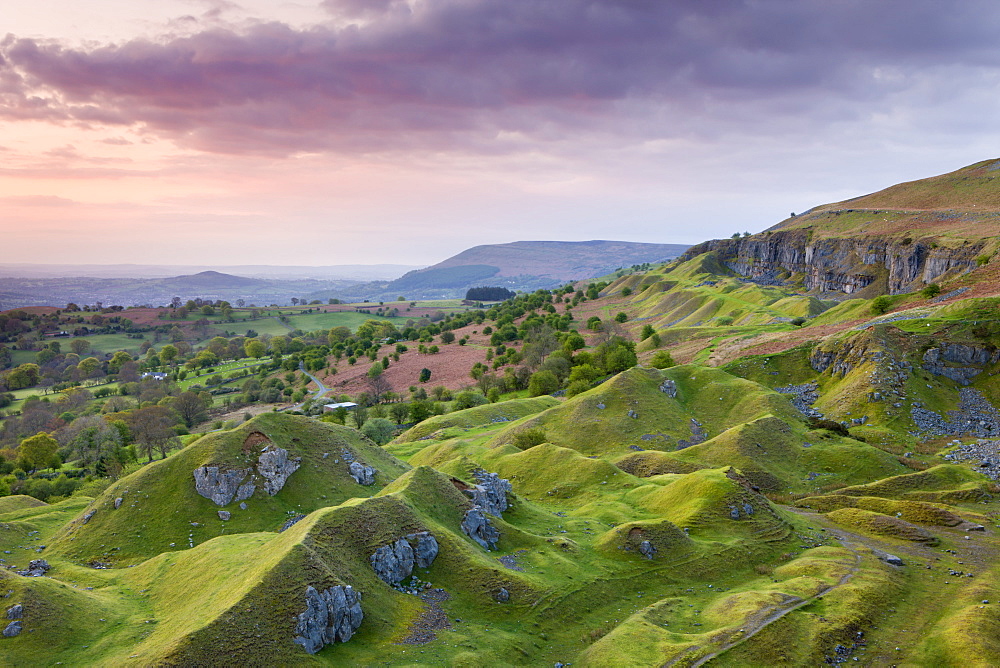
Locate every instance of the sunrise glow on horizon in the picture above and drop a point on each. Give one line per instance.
(343, 131)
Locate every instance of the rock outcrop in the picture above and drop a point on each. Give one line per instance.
(839, 265)
(394, 563)
(15, 611)
(491, 492)
(332, 615)
(12, 629)
(223, 486)
(275, 466)
(959, 362)
(362, 473)
(476, 526)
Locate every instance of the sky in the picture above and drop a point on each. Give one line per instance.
(320, 132)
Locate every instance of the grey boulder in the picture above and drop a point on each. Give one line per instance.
(332, 615)
(220, 486)
(13, 629)
(362, 473)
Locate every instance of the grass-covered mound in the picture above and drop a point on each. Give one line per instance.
(634, 410)
(883, 525)
(478, 416)
(937, 484)
(778, 456)
(19, 502)
(911, 511)
(161, 510)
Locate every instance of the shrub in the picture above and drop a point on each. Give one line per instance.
(379, 430)
(626, 292)
(621, 317)
(881, 305)
(528, 438)
(662, 360)
(930, 291)
(468, 399)
(577, 387)
(798, 321)
(425, 375)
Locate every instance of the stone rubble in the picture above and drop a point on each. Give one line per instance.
(975, 416)
(803, 397)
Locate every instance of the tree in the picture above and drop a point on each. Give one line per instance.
(542, 382)
(168, 353)
(379, 430)
(647, 331)
(119, 358)
(425, 375)
(419, 410)
(79, 346)
(38, 450)
(254, 348)
(25, 375)
(931, 291)
(621, 317)
(191, 408)
(377, 381)
(152, 428)
(399, 412)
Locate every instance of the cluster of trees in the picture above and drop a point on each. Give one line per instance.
(489, 294)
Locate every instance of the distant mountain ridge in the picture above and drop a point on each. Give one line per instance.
(528, 265)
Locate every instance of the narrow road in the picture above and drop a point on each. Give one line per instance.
(321, 392)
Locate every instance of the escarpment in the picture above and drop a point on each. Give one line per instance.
(840, 265)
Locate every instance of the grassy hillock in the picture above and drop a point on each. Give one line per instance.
(140, 528)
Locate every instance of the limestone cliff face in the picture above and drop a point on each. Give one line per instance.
(840, 265)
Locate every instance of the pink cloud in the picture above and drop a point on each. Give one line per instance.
(454, 74)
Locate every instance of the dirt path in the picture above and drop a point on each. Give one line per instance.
(758, 623)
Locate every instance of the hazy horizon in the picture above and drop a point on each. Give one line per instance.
(332, 132)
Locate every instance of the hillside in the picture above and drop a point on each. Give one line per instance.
(527, 265)
(751, 455)
(897, 240)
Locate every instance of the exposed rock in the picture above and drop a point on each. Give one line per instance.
(889, 558)
(842, 265)
(332, 615)
(291, 522)
(224, 515)
(13, 629)
(243, 506)
(477, 526)
(491, 492)
(425, 548)
(394, 563)
(669, 388)
(274, 465)
(647, 549)
(15, 611)
(502, 596)
(36, 568)
(87, 515)
(221, 486)
(970, 361)
(698, 435)
(362, 473)
(118, 502)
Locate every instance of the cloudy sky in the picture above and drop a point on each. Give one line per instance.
(363, 131)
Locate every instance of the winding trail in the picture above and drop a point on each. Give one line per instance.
(753, 626)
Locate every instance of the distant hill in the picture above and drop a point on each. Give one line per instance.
(210, 280)
(528, 265)
(341, 272)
